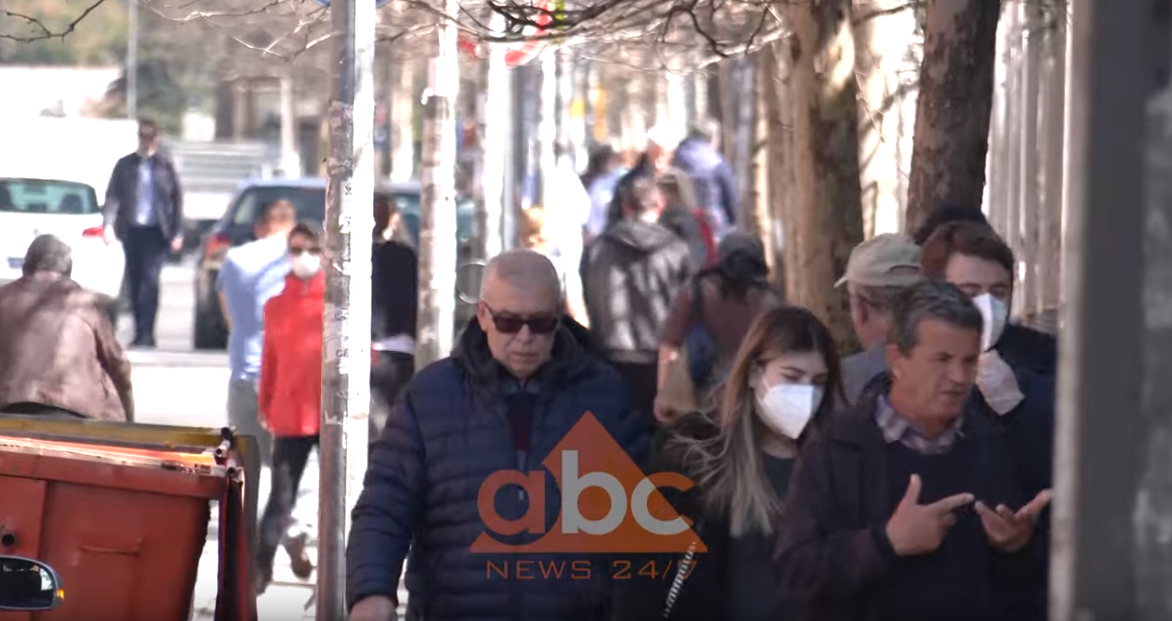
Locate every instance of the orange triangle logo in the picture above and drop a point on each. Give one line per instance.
(608, 504)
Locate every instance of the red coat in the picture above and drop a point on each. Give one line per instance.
(290, 368)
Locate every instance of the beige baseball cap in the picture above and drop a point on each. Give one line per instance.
(885, 260)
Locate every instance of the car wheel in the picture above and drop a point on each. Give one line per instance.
(209, 332)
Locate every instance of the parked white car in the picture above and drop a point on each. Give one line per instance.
(71, 211)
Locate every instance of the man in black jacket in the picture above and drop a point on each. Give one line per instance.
(909, 506)
(512, 391)
(630, 277)
(144, 210)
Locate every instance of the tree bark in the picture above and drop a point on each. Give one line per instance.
(826, 147)
(762, 222)
(952, 113)
(782, 193)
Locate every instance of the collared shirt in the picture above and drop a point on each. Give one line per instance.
(250, 275)
(144, 212)
(896, 428)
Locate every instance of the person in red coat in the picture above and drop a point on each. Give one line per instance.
(290, 395)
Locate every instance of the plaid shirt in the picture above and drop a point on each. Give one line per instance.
(896, 428)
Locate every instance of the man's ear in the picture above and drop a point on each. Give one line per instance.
(482, 316)
(894, 358)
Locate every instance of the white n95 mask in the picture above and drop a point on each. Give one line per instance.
(994, 314)
(788, 408)
(305, 265)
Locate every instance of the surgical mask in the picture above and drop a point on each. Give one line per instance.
(788, 408)
(994, 314)
(305, 265)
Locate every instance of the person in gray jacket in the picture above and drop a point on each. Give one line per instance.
(630, 276)
(878, 269)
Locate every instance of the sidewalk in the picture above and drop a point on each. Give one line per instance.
(287, 597)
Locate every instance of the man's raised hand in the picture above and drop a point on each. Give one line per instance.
(1009, 530)
(919, 529)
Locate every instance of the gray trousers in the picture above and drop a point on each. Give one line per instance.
(244, 415)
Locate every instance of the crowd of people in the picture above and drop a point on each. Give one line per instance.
(909, 481)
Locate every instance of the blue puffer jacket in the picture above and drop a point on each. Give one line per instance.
(447, 435)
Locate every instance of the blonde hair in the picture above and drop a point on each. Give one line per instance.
(729, 467)
(532, 226)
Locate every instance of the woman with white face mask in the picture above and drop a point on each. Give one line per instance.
(740, 458)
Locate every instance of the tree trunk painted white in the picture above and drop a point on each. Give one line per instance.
(1050, 229)
(1026, 297)
(403, 98)
(437, 235)
(885, 38)
(493, 149)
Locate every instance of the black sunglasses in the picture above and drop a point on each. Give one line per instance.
(512, 324)
(295, 251)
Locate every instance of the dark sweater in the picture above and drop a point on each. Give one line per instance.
(394, 295)
(953, 582)
(752, 581)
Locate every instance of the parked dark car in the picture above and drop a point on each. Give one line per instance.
(308, 196)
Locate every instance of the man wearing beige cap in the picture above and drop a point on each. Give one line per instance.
(878, 268)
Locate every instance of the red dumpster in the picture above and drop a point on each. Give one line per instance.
(122, 514)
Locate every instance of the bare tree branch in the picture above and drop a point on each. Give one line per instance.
(41, 32)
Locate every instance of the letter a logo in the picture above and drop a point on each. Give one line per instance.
(607, 504)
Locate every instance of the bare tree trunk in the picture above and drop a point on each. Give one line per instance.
(782, 192)
(762, 223)
(437, 235)
(403, 121)
(952, 113)
(826, 147)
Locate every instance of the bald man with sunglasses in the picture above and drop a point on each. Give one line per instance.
(515, 385)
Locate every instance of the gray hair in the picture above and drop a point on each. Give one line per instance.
(521, 268)
(48, 253)
(930, 299)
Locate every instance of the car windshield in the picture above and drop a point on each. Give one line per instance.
(47, 197)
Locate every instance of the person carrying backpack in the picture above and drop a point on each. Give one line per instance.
(709, 319)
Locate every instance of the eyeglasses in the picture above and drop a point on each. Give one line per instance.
(512, 324)
(300, 251)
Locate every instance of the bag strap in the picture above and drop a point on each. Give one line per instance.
(683, 569)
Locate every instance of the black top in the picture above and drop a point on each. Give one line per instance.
(394, 295)
(753, 591)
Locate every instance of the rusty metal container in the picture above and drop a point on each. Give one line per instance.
(122, 511)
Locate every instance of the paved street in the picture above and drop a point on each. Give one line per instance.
(174, 385)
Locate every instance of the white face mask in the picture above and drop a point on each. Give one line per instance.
(995, 315)
(788, 408)
(305, 265)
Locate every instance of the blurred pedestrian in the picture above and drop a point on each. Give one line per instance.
(248, 277)
(741, 456)
(710, 317)
(601, 178)
(653, 160)
(631, 275)
(684, 218)
(716, 185)
(535, 236)
(394, 312)
(144, 210)
(909, 505)
(878, 269)
(512, 389)
(289, 397)
(59, 357)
